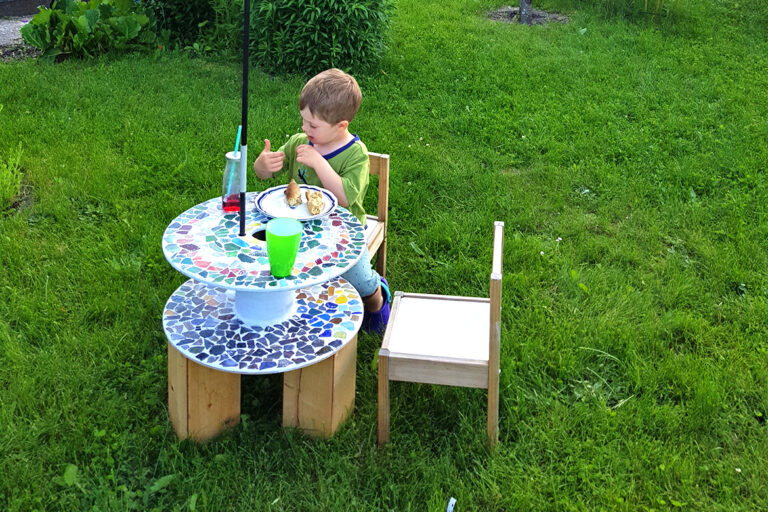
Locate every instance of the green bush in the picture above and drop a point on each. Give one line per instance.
(85, 29)
(185, 21)
(199, 26)
(307, 36)
(226, 34)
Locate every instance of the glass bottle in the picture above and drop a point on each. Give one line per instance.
(230, 188)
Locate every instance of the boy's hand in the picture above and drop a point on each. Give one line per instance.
(307, 155)
(268, 162)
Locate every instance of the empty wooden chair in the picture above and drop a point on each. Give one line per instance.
(448, 340)
(376, 225)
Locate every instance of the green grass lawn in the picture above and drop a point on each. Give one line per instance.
(628, 161)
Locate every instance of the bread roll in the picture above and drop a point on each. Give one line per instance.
(315, 201)
(292, 194)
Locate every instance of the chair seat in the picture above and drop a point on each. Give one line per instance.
(439, 339)
(372, 225)
(374, 233)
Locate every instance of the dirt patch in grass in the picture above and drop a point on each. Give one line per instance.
(512, 15)
(22, 201)
(18, 52)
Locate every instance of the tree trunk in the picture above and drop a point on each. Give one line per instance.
(525, 12)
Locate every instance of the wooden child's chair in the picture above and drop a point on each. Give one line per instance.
(376, 225)
(448, 340)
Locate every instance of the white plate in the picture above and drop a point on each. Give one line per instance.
(272, 203)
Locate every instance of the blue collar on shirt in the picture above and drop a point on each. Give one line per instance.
(332, 154)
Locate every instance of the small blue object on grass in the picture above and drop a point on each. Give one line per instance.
(451, 504)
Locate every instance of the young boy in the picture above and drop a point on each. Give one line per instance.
(326, 154)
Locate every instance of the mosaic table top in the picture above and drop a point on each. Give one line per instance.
(199, 320)
(203, 243)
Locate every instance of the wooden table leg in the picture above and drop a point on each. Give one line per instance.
(202, 402)
(318, 398)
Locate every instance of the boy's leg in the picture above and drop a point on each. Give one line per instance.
(375, 301)
(366, 281)
(374, 291)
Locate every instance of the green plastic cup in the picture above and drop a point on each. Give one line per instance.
(283, 238)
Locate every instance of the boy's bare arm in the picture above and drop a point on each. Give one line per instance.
(268, 162)
(307, 155)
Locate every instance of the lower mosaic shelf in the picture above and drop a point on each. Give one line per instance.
(200, 321)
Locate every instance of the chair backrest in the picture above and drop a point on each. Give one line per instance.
(379, 166)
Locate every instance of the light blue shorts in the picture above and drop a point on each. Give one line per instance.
(363, 276)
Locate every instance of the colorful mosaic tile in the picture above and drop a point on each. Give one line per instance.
(199, 320)
(203, 243)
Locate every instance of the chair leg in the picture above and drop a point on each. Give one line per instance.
(493, 415)
(383, 400)
(381, 257)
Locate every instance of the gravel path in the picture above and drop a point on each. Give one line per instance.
(9, 30)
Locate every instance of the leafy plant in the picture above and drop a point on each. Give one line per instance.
(10, 178)
(85, 29)
(307, 36)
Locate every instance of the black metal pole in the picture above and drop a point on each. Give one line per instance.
(244, 122)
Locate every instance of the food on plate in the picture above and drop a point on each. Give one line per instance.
(292, 194)
(315, 201)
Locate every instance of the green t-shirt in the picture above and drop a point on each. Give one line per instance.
(349, 161)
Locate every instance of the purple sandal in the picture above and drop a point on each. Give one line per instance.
(377, 322)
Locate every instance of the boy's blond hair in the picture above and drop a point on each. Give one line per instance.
(332, 95)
